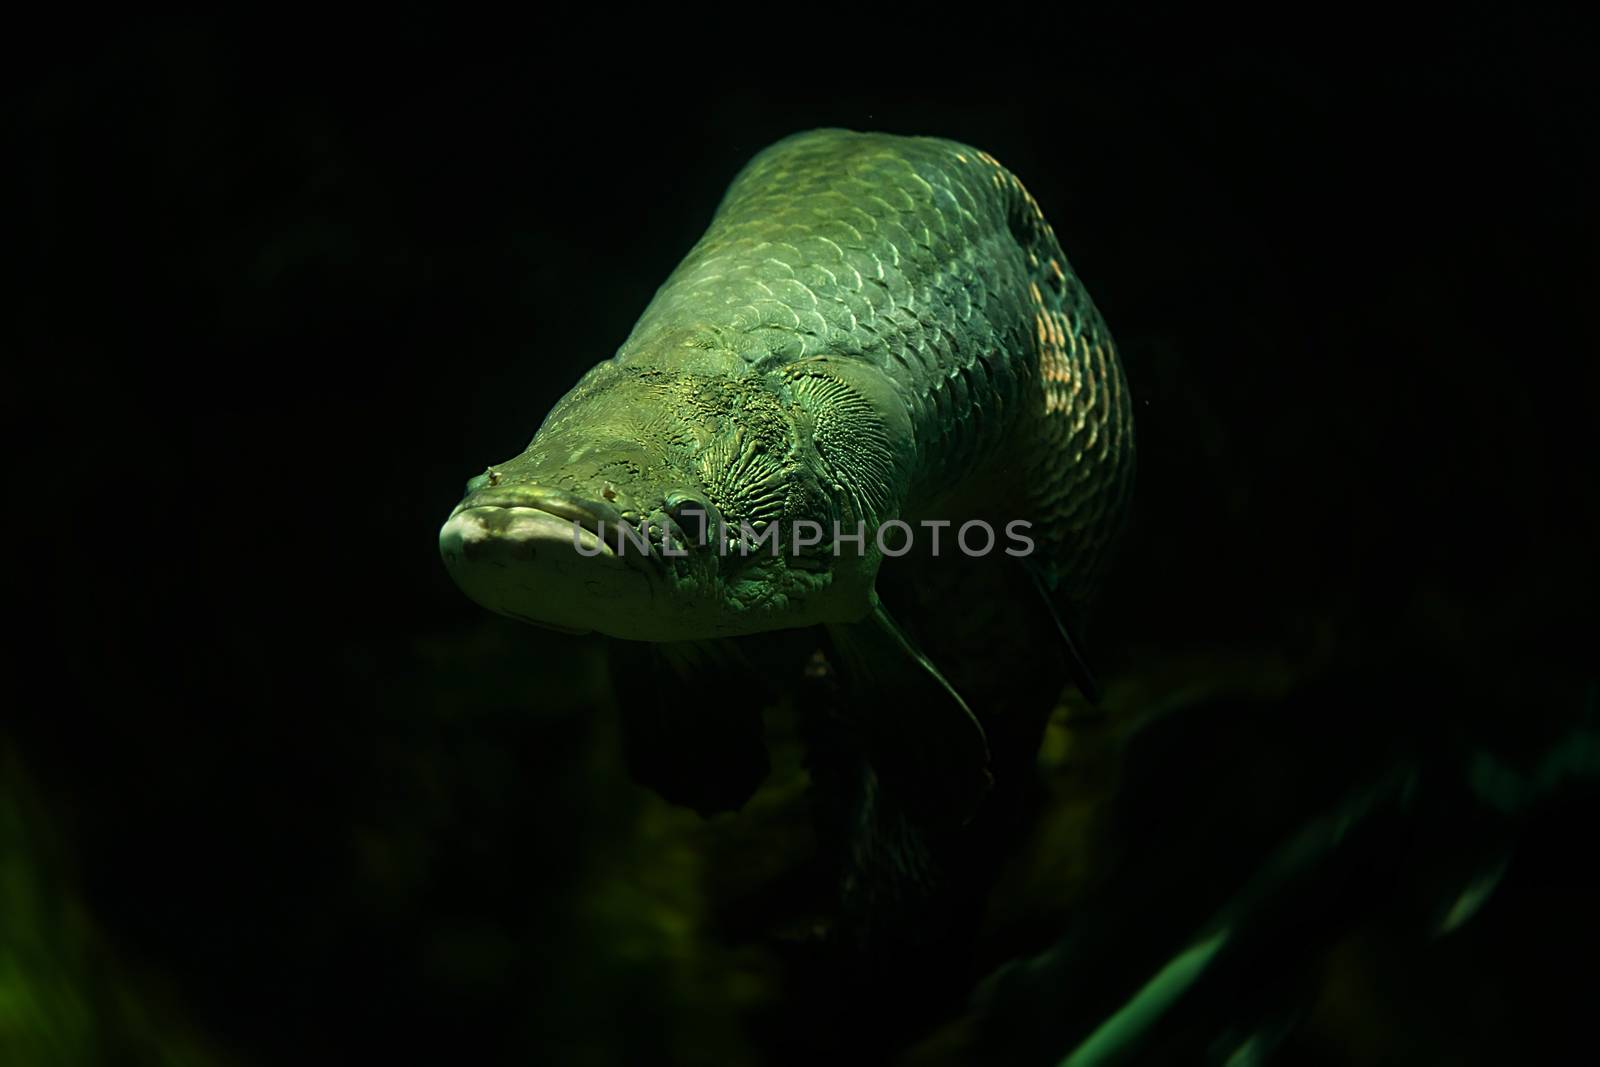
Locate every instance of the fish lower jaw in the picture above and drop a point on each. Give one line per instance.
(490, 531)
(530, 565)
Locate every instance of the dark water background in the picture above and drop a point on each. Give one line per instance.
(276, 792)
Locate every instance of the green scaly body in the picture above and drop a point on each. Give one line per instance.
(892, 330)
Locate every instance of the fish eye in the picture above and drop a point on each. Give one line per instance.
(683, 504)
(693, 515)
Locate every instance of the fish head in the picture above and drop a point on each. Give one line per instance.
(661, 504)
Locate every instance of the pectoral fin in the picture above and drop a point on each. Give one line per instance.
(692, 721)
(1076, 665)
(926, 745)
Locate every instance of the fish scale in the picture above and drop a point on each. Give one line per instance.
(929, 260)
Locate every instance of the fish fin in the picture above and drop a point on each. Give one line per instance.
(690, 659)
(1471, 898)
(1076, 665)
(692, 728)
(925, 743)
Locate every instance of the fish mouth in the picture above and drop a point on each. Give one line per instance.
(586, 514)
(537, 555)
